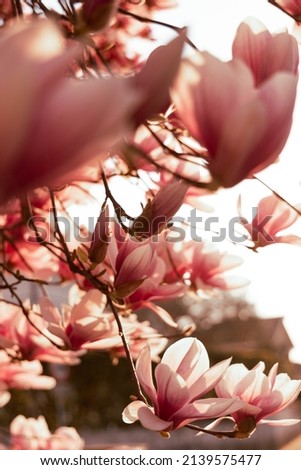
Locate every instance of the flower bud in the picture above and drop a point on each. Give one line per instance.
(101, 238)
(157, 213)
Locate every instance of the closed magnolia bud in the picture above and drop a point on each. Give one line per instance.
(158, 212)
(97, 14)
(101, 238)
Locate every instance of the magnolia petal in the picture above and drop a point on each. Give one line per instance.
(253, 385)
(250, 45)
(156, 78)
(134, 265)
(280, 422)
(144, 372)
(242, 132)
(208, 408)
(279, 108)
(49, 311)
(172, 391)
(208, 380)
(93, 303)
(4, 398)
(226, 388)
(26, 381)
(186, 354)
(138, 410)
(215, 423)
(162, 313)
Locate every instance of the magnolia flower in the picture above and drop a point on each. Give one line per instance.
(139, 277)
(29, 339)
(264, 53)
(58, 123)
(79, 323)
(33, 434)
(24, 374)
(243, 128)
(273, 216)
(209, 268)
(263, 395)
(46, 110)
(182, 377)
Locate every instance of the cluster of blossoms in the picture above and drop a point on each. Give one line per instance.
(88, 120)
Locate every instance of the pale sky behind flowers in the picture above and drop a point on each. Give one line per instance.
(275, 272)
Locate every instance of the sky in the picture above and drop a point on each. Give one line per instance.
(274, 272)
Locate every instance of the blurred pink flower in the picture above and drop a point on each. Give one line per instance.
(29, 338)
(182, 377)
(58, 122)
(243, 128)
(138, 335)
(209, 268)
(33, 434)
(23, 374)
(273, 216)
(263, 395)
(265, 54)
(50, 135)
(4, 396)
(79, 323)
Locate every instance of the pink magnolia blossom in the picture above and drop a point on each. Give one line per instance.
(263, 395)
(34, 434)
(209, 268)
(79, 323)
(243, 128)
(182, 377)
(36, 55)
(273, 216)
(28, 338)
(23, 374)
(59, 118)
(84, 325)
(265, 54)
(139, 278)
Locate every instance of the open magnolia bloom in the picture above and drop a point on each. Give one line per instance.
(272, 217)
(182, 377)
(263, 395)
(243, 127)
